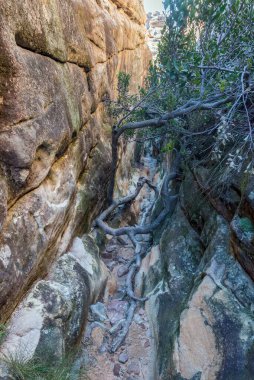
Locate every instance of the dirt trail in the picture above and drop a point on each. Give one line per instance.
(131, 361)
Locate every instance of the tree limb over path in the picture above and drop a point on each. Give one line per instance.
(193, 105)
(212, 102)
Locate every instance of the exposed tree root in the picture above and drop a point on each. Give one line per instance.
(117, 342)
(169, 201)
(132, 272)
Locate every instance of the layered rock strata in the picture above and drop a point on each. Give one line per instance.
(58, 62)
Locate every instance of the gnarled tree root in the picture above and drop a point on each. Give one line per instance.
(169, 202)
(118, 341)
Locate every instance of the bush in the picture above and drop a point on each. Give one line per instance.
(38, 369)
(246, 225)
(2, 332)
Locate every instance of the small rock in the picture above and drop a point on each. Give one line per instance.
(98, 311)
(110, 265)
(97, 336)
(122, 271)
(119, 294)
(142, 325)
(117, 310)
(141, 311)
(111, 287)
(137, 318)
(111, 248)
(103, 348)
(117, 369)
(123, 357)
(133, 367)
(107, 255)
(147, 344)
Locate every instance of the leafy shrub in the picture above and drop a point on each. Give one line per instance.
(246, 225)
(2, 332)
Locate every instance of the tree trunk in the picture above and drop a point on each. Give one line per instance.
(113, 168)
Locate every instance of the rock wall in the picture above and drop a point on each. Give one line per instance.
(201, 298)
(58, 61)
(155, 24)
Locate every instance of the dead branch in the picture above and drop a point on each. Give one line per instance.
(189, 107)
(217, 68)
(245, 105)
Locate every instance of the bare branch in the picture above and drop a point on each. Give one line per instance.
(217, 68)
(245, 106)
(189, 107)
(135, 107)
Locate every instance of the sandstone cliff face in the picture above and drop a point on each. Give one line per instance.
(155, 24)
(58, 61)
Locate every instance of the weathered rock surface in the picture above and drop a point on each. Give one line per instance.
(201, 309)
(155, 24)
(51, 318)
(59, 59)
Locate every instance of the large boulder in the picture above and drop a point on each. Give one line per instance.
(49, 321)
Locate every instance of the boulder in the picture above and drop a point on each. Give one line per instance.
(49, 321)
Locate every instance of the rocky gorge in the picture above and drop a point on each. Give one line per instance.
(63, 282)
(59, 62)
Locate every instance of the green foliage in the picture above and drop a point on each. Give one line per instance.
(3, 332)
(208, 33)
(207, 49)
(123, 84)
(169, 147)
(205, 56)
(38, 369)
(119, 107)
(246, 225)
